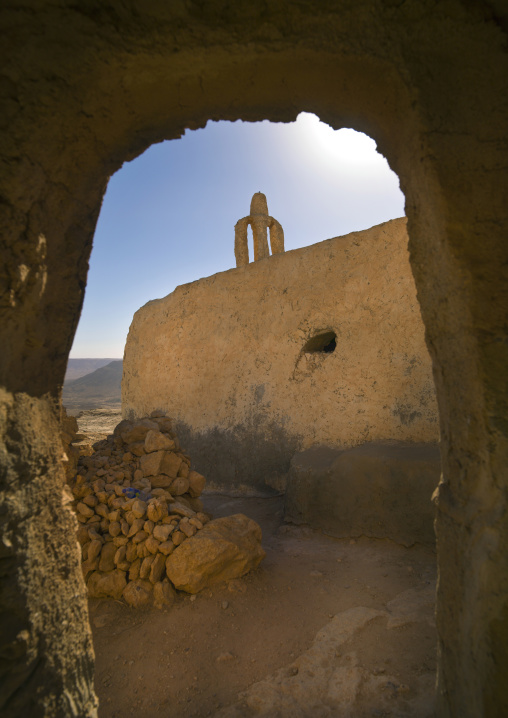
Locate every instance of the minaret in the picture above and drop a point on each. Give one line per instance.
(260, 222)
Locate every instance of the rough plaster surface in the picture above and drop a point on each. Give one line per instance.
(46, 654)
(85, 87)
(379, 489)
(225, 356)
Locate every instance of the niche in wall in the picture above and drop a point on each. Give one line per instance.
(324, 342)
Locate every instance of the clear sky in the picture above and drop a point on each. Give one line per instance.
(168, 216)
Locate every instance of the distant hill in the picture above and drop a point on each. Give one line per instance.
(105, 381)
(77, 368)
(100, 388)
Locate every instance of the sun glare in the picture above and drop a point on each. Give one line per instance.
(338, 148)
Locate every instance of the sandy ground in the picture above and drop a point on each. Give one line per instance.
(97, 423)
(323, 627)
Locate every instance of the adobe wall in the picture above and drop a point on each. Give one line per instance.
(225, 356)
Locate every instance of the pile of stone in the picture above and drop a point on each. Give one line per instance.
(137, 502)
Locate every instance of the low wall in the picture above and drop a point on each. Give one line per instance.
(321, 345)
(379, 489)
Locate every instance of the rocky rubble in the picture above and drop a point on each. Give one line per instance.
(137, 503)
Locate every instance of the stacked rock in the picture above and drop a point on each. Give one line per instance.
(136, 499)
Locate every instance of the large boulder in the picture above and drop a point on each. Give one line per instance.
(225, 548)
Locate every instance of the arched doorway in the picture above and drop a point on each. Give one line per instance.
(97, 89)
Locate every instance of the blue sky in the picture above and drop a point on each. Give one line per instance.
(168, 216)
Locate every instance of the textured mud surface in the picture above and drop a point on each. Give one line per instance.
(322, 627)
(98, 423)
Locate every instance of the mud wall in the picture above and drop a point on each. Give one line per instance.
(381, 489)
(238, 360)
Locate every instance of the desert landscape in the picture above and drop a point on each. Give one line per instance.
(92, 394)
(94, 385)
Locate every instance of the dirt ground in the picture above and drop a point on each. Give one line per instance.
(96, 423)
(323, 627)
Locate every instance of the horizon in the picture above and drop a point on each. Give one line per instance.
(78, 358)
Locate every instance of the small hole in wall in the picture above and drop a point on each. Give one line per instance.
(323, 342)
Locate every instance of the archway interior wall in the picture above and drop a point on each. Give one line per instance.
(86, 90)
(67, 143)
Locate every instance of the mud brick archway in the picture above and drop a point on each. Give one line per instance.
(86, 86)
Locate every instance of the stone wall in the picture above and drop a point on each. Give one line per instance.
(238, 359)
